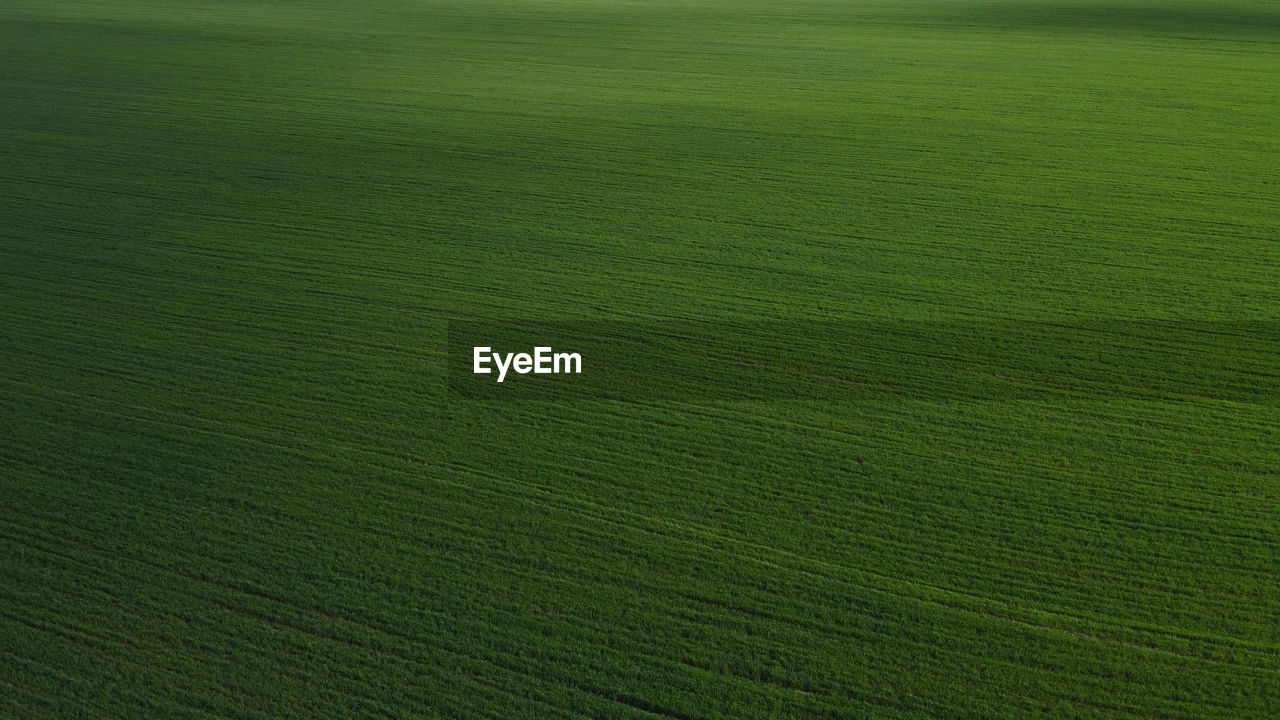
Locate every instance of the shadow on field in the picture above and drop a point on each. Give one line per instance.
(989, 361)
(1190, 19)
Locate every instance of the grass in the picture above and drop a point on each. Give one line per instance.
(234, 481)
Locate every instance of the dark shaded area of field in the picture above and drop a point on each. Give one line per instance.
(1187, 19)
(851, 362)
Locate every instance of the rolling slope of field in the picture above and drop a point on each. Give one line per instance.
(234, 480)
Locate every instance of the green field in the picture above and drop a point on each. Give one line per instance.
(236, 482)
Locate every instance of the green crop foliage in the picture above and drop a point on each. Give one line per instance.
(234, 482)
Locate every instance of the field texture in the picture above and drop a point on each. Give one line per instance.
(235, 480)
